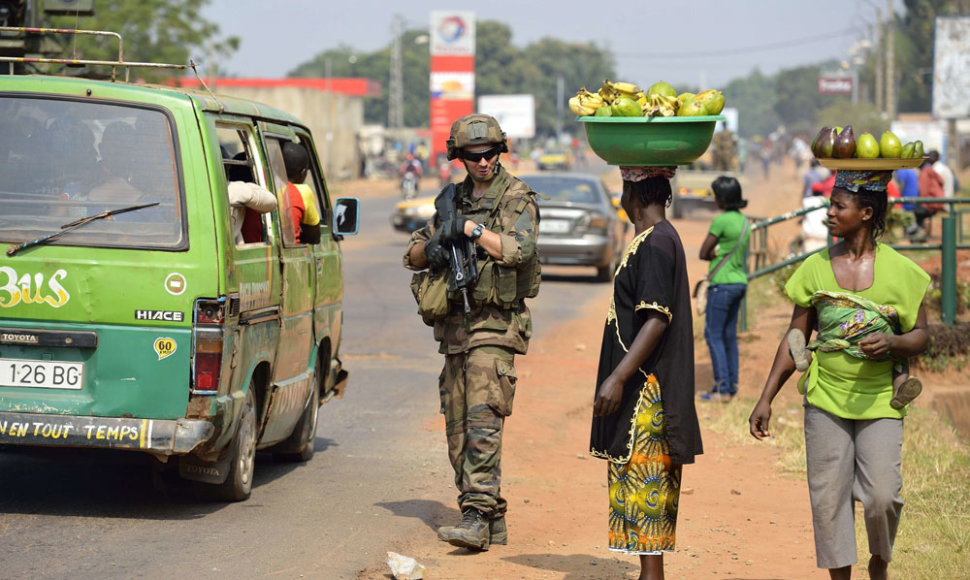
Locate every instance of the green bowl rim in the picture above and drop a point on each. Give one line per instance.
(697, 119)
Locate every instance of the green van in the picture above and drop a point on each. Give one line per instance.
(131, 314)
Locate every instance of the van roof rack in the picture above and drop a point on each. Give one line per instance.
(114, 64)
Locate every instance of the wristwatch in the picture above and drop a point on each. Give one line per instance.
(477, 231)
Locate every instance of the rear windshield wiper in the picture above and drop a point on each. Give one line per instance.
(75, 225)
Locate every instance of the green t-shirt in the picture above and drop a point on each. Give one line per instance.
(837, 382)
(727, 228)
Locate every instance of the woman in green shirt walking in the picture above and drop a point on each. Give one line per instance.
(853, 434)
(724, 247)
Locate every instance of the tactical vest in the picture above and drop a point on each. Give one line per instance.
(503, 286)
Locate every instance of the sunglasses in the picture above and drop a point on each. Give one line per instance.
(487, 155)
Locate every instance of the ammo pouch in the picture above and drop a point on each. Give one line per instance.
(431, 293)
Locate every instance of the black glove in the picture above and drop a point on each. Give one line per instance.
(435, 252)
(453, 230)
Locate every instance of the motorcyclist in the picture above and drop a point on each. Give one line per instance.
(410, 172)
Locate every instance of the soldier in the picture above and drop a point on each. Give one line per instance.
(725, 151)
(499, 214)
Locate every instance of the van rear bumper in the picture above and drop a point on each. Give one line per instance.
(165, 436)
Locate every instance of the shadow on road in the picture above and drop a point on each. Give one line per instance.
(576, 566)
(103, 483)
(431, 513)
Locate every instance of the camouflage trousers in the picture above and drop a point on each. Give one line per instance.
(476, 390)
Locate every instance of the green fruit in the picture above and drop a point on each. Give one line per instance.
(626, 107)
(604, 111)
(907, 151)
(866, 147)
(837, 129)
(662, 88)
(713, 101)
(685, 98)
(693, 108)
(917, 149)
(889, 146)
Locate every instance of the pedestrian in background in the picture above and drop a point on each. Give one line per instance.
(499, 214)
(853, 433)
(930, 185)
(644, 420)
(725, 247)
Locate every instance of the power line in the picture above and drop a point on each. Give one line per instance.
(744, 50)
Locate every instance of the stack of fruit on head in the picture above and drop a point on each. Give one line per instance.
(619, 99)
(839, 143)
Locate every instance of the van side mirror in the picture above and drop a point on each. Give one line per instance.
(346, 216)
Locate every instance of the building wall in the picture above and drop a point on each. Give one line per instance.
(332, 118)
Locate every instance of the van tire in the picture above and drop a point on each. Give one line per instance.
(300, 443)
(242, 458)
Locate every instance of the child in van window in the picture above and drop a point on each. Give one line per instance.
(300, 201)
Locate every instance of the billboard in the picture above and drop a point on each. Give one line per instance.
(515, 113)
(951, 67)
(834, 85)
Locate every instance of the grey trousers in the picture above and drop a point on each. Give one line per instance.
(853, 460)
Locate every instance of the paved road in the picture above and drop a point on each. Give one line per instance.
(380, 471)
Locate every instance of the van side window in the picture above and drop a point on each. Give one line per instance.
(236, 144)
(318, 185)
(299, 208)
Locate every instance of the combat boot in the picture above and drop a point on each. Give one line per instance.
(498, 532)
(472, 532)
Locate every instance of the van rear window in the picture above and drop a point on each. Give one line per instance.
(62, 160)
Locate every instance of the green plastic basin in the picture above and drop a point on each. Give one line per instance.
(649, 140)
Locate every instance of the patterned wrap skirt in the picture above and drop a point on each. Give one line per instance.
(645, 492)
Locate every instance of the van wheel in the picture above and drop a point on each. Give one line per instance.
(242, 457)
(300, 443)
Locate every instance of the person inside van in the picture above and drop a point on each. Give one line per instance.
(246, 201)
(117, 141)
(299, 199)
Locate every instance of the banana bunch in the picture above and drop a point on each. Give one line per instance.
(660, 106)
(585, 103)
(610, 91)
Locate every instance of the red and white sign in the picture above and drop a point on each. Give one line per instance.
(452, 33)
(835, 85)
(452, 73)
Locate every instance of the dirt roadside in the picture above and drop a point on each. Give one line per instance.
(741, 518)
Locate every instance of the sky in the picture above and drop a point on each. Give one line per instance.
(702, 43)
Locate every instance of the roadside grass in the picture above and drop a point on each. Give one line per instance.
(933, 541)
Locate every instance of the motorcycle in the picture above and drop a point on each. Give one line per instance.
(409, 185)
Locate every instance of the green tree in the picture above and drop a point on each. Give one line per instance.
(500, 68)
(754, 97)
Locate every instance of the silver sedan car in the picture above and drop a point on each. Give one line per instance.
(579, 224)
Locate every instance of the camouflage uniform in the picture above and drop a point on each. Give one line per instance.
(725, 151)
(478, 381)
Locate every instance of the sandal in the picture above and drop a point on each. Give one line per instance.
(909, 390)
(796, 347)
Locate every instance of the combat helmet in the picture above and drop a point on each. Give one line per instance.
(475, 129)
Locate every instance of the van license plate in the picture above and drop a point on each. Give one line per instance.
(41, 374)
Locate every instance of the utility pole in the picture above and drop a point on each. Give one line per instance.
(890, 61)
(395, 105)
(880, 59)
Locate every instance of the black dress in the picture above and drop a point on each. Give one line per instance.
(652, 276)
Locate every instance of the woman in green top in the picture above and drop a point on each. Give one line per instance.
(853, 435)
(724, 247)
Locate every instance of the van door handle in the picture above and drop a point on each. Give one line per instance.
(319, 262)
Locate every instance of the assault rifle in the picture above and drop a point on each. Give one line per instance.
(463, 266)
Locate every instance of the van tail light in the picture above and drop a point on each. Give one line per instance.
(207, 343)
